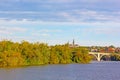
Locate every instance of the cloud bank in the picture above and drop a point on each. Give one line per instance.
(61, 10)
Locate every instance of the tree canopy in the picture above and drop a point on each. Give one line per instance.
(26, 53)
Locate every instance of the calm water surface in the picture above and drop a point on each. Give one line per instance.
(93, 71)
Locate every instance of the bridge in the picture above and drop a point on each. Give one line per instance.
(99, 55)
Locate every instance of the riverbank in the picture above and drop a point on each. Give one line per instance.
(14, 54)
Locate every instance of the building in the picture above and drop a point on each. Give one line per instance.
(73, 45)
(104, 49)
(117, 50)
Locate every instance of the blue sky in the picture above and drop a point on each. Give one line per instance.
(89, 22)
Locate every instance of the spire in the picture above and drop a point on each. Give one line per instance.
(73, 42)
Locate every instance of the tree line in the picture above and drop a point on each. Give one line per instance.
(26, 53)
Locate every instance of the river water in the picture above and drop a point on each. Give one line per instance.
(93, 71)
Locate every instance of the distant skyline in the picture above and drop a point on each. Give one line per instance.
(88, 22)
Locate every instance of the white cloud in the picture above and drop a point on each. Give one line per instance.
(11, 30)
(12, 22)
(11, 0)
(114, 30)
(101, 16)
(40, 34)
(72, 16)
(49, 30)
(63, 1)
(68, 17)
(20, 12)
(105, 29)
(45, 32)
(90, 16)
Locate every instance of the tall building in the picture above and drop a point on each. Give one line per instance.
(73, 45)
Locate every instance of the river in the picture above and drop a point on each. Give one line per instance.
(106, 70)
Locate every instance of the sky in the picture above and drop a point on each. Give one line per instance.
(88, 22)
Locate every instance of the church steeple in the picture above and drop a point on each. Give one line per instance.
(73, 42)
(73, 45)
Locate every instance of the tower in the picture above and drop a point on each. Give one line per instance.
(73, 43)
